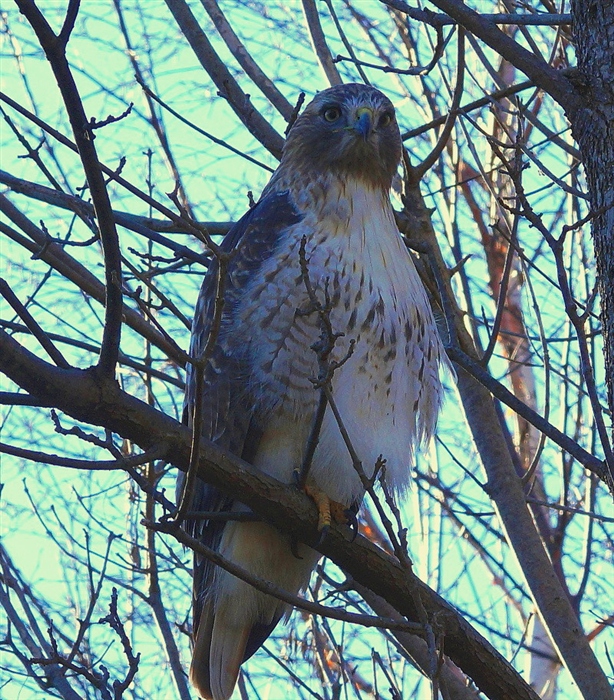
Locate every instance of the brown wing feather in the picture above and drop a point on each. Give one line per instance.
(230, 412)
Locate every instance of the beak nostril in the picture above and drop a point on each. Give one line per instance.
(364, 121)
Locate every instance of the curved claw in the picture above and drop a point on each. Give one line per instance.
(352, 521)
(323, 534)
(331, 511)
(294, 548)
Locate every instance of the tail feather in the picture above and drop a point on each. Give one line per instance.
(199, 669)
(227, 652)
(258, 635)
(232, 619)
(219, 651)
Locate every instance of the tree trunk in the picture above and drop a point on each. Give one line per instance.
(593, 129)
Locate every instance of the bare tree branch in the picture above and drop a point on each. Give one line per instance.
(542, 75)
(93, 399)
(318, 41)
(228, 87)
(32, 325)
(55, 50)
(505, 489)
(56, 257)
(247, 62)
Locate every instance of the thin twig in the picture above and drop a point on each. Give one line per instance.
(542, 74)
(346, 42)
(59, 260)
(442, 141)
(125, 463)
(502, 298)
(182, 223)
(220, 142)
(124, 360)
(586, 459)
(323, 348)
(142, 225)
(264, 586)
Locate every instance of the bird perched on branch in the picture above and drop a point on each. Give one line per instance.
(321, 242)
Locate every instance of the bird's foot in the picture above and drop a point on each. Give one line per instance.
(328, 510)
(323, 503)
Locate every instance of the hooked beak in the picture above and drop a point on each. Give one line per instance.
(364, 121)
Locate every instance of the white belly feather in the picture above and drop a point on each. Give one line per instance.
(388, 392)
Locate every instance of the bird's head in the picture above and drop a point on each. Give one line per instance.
(349, 130)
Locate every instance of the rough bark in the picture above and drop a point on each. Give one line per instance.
(593, 129)
(505, 489)
(87, 396)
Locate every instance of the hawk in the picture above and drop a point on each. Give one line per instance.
(329, 197)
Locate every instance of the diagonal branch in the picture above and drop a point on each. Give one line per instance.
(477, 371)
(543, 75)
(318, 41)
(57, 258)
(97, 400)
(228, 87)
(446, 132)
(55, 51)
(246, 61)
(32, 325)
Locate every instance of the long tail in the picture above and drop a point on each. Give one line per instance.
(219, 650)
(236, 619)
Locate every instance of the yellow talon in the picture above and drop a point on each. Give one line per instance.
(338, 512)
(327, 510)
(322, 501)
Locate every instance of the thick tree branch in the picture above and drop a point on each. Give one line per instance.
(336, 613)
(543, 75)
(593, 129)
(453, 682)
(94, 399)
(55, 51)
(538, 19)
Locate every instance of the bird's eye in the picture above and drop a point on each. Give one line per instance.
(331, 114)
(385, 119)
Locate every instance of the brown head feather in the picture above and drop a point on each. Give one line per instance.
(330, 137)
